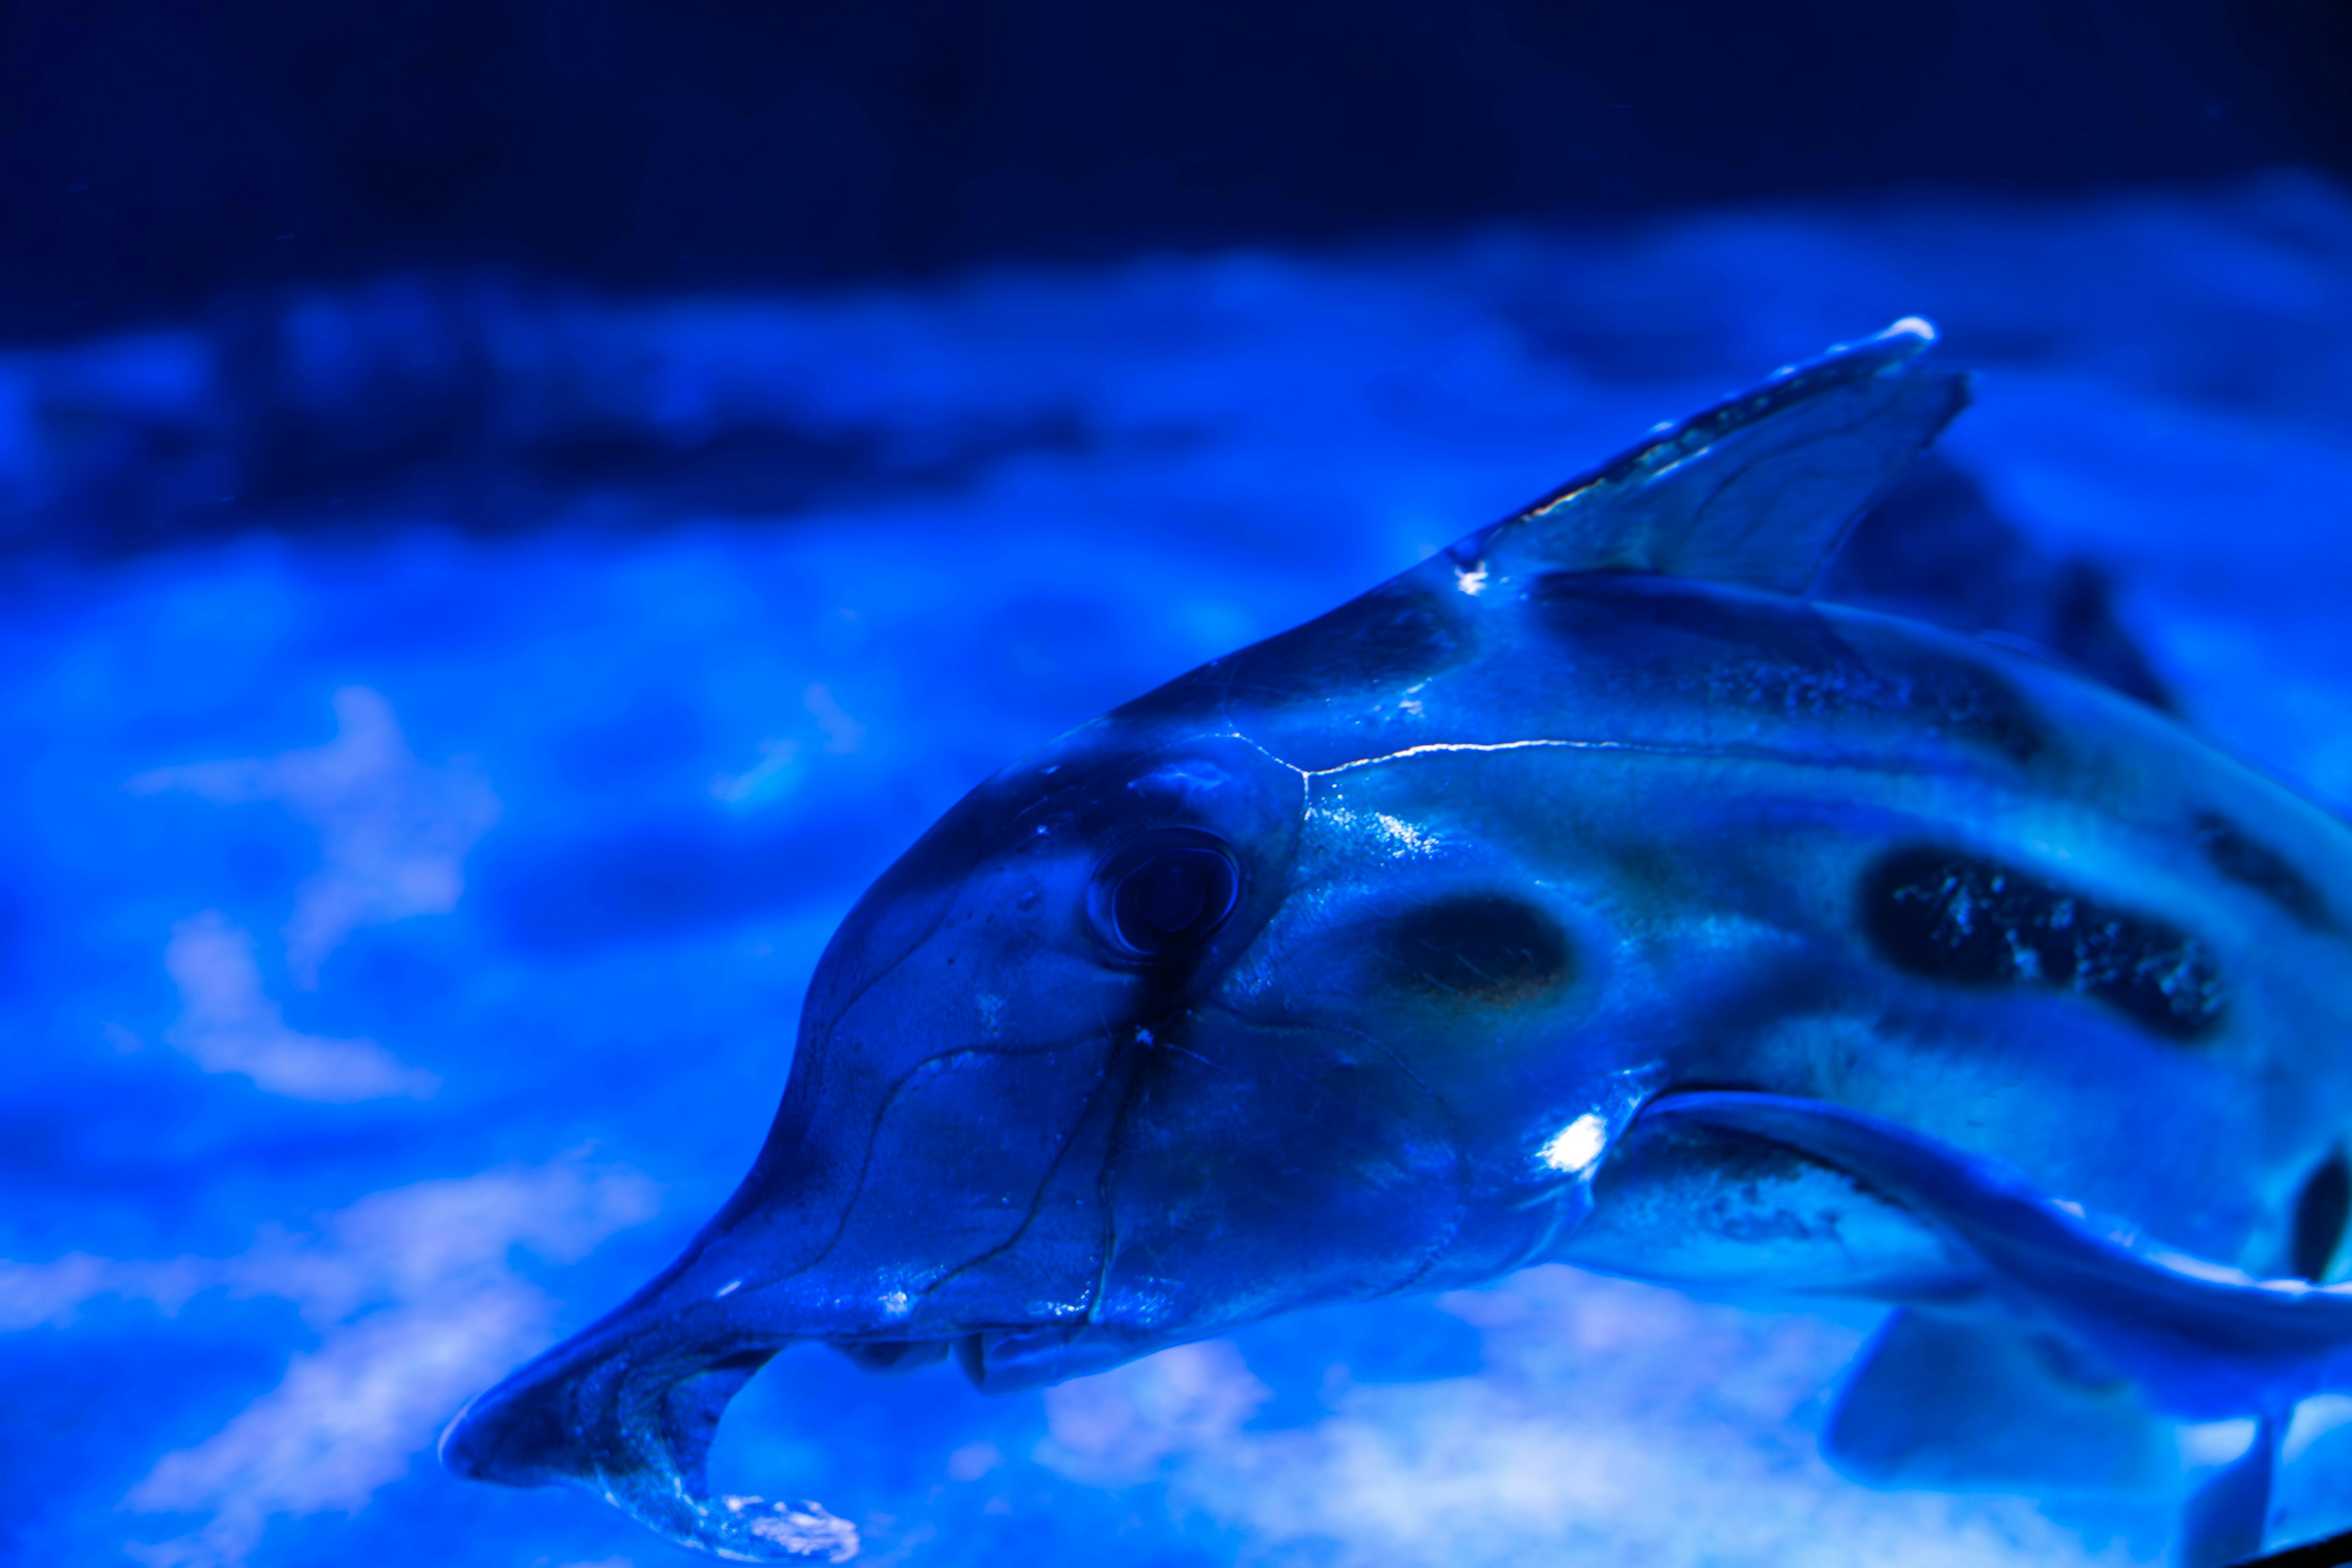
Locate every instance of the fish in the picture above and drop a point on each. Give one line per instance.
(1588, 893)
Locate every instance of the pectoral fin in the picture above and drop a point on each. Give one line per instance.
(2201, 1340)
(1970, 1406)
(2205, 1340)
(1759, 491)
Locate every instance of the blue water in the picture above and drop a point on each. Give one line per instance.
(418, 856)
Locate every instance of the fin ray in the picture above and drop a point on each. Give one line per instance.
(1759, 491)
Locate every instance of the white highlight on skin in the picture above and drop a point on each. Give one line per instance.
(1573, 1150)
(1401, 839)
(802, 1530)
(1441, 748)
(1407, 838)
(2210, 1272)
(1855, 763)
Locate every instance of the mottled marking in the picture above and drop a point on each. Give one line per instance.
(1947, 914)
(1482, 946)
(2320, 1211)
(1663, 640)
(2250, 863)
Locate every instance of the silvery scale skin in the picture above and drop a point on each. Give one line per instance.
(1586, 893)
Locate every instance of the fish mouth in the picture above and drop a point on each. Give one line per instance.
(808, 1252)
(635, 1428)
(1003, 1359)
(632, 1424)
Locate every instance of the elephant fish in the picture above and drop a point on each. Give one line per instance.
(1588, 893)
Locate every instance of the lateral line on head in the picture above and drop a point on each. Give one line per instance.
(1639, 748)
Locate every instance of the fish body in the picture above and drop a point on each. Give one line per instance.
(1585, 893)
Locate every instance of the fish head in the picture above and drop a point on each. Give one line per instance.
(1144, 1040)
(1006, 1031)
(1248, 996)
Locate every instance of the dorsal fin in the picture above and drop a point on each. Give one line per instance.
(1759, 491)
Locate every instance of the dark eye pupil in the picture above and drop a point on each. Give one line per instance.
(1158, 896)
(1167, 891)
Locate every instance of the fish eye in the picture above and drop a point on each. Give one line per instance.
(1163, 891)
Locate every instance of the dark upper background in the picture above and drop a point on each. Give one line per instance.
(153, 155)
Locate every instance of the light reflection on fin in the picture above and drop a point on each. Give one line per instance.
(1759, 491)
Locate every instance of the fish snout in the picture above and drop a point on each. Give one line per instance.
(517, 1436)
(627, 1412)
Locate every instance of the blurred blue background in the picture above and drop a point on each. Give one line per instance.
(511, 514)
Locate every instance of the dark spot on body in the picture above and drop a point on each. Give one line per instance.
(1665, 641)
(2320, 1211)
(2250, 863)
(1481, 947)
(1945, 914)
